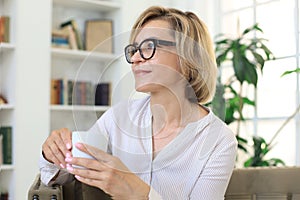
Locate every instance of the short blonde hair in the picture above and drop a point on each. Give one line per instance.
(194, 47)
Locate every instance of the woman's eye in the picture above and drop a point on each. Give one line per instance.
(150, 45)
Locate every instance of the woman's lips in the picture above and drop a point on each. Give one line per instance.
(141, 72)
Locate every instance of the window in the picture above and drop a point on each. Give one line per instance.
(276, 97)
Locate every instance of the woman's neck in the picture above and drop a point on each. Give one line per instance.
(171, 111)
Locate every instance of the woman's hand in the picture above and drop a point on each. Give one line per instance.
(57, 146)
(107, 173)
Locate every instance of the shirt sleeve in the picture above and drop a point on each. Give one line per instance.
(49, 171)
(213, 181)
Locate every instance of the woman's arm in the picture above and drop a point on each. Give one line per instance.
(214, 179)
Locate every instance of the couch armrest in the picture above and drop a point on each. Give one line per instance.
(74, 190)
(41, 191)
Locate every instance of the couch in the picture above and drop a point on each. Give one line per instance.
(259, 183)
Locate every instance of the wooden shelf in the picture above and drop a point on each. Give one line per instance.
(82, 55)
(101, 5)
(78, 108)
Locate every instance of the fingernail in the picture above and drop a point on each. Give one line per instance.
(69, 168)
(62, 166)
(68, 155)
(77, 144)
(77, 177)
(68, 159)
(69, 146)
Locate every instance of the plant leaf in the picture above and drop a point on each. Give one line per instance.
(292, 71)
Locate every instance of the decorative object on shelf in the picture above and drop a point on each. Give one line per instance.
(2, 100)
(4, 29)
(6, 132)
(98, 36)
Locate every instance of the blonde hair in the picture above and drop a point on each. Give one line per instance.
(194, 47)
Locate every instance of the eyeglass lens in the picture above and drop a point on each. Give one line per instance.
(146, 50)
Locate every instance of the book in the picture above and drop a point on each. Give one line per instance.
(98, 36)
(6, 132)
(55, 87)
(102, 94)
(68, 30)
(1, 152)
(4, 29)
(60, 39)
(73, 24)
(82, 93)
(69, 92)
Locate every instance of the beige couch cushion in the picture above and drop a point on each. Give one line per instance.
(264, 183)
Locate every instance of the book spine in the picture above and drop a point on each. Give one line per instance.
(102, 94)
(6, 132)
(7, 30)
(77, 33)
(54, 91)
(1, 147)
(4, 28)
(70, 92)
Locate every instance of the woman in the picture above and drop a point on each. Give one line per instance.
(166, 145)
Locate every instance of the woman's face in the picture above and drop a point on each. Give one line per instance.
(162, 71)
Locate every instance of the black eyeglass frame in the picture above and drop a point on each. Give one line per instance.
(156, 42)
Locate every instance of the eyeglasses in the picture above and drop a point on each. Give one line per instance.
(146, 48)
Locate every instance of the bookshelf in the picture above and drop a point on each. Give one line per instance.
(7, 80)
(81, 65)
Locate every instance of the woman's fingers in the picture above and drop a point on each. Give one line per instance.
(95, 152)
(56, 147)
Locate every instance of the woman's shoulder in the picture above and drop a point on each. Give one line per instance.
(217, 127)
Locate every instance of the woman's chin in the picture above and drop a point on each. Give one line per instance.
(144, 88)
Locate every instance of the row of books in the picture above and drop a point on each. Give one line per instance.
(96, 36)
(4, 29)
(69, 92)
(6, 145)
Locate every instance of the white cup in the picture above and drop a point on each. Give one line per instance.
(96, 139)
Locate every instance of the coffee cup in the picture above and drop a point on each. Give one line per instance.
(95, 139)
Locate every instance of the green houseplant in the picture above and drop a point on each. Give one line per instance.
(247, 56)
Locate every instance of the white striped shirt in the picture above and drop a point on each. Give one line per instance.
(196, 165)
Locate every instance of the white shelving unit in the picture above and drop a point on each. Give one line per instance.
(7, 111)
(81, 55)
(98, 5)
(78, 65)
(79, 108)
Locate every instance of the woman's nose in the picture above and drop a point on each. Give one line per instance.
(136, 57)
